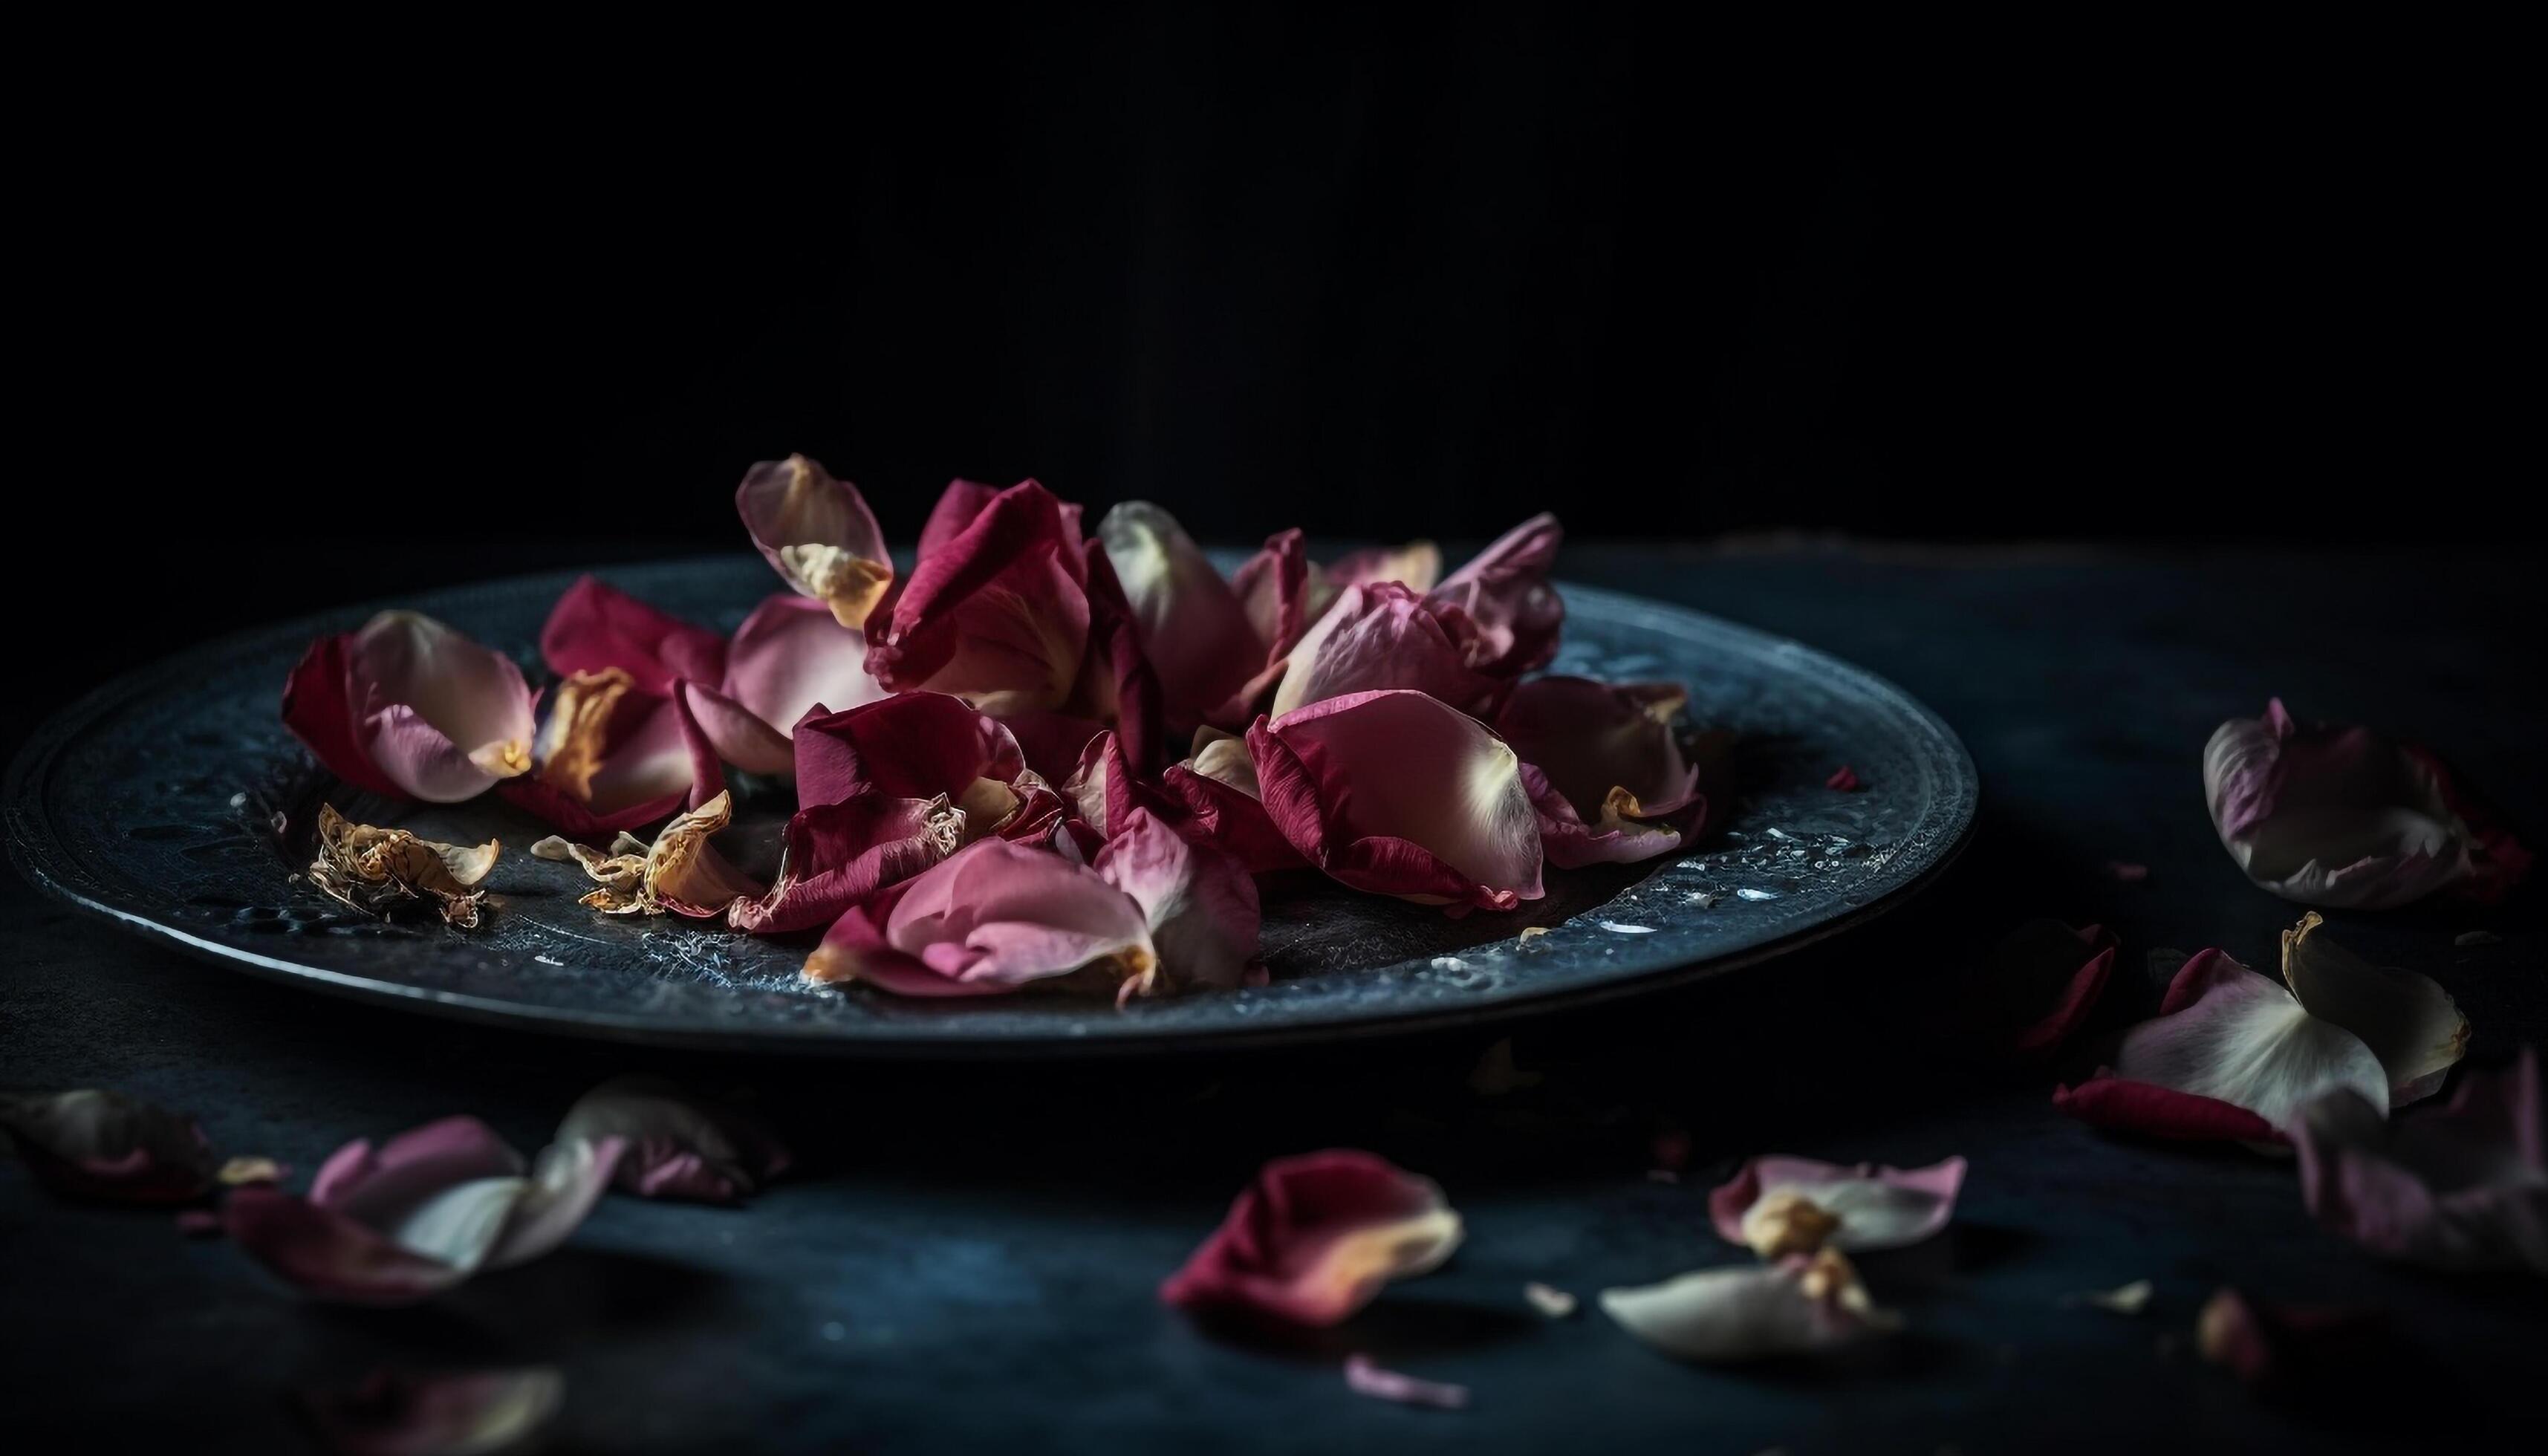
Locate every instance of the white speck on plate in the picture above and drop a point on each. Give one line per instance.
(1622, 928)
(1449, 963)
(1753, 895)
(548, 961)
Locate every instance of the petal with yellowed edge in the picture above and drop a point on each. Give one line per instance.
(835, 855)
(994, 918)
(789, 658)
(1189, 622)
(1382, 636)
(1315, 1238)
(1765, 1206)
(1799, 1306)
(1610, 747)
(2407, 1020)
(610, 758)
(407, 706)
(1200, 902)
(1504, 593)
(818, 534)
(595, 626)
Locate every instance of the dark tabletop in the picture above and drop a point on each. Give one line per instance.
(968, 1255)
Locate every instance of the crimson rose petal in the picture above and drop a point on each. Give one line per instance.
(595, 627)
(1315, 1237)
(407, 706)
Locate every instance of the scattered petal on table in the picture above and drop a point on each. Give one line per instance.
(2407, 1020)
(400, 1412)
(1845, 779)
(1365, 1378)
(107, 1147)
(1797, 1307)
(1548, 1299)
(1869, 1206)
(1315, 1237)
(2458, 1187)
(818, 534)
(678, 1145)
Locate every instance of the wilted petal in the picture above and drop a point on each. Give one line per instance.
(1382, 636)
(680, 872)
(788, 659)
(1225, 807)
(2039, 986)
(2460, 1187)
(1273, 592)
(2144, 1109)
(1609, 748)
(995, 917)
(108, 1148)
(1505, 593)
(678, 1145)
(409, 706)
(1314, 1240)
(957, 506)
(1416, 566)
(481, 1412)
(1797, 1308)
(595, 627)
(996, 613)
(609, 758)
(2331, 816)
(1188, 621)
(1872, 1207)
(1200, 904)
(817, 533)
(2407, 1020)
(912, 745)
(837, 855)
(1399, 795)
(379, 871)
(1618, 839)
(734, 733)
(324, 711)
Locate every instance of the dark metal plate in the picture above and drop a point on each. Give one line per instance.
(149, 803)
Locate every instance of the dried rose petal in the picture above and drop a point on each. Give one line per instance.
(595, 627)
(1273, 592)
(108, 1148)
(2460, 1187)
(1397, 793)
(835, 855)
(2340, 816)
(1200, 902)
(1315, 1237)
(423, 1213)
(479, 1412)
(678, 1145)
(1617, 839)
(1608, 747)
(1513, 614)
(1383, 636)
(993, 918)
(609, 758)
(1797, 1307)
(409, 708)
(379, 871)
(1868, 1207)
(818, 534)
(997, 612)
(1190, 623)
(680, 872)
(912, 745)
(1364, 1378)
(1224, 804)
(1845, 779)
(788, 659)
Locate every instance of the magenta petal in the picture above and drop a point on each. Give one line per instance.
(737, 733)
(678, 1146)
(2121, 1105)
(371, 1183)
(1315, 1237)
(1383, 636)
(1272, 588)
(107, 1147)
(997, 612)
(1879, 1207)
(817, 533)
(1364, 1378)
(912, 745)
(441, 716)
(320, 707)
(788, 657)
(2039, 986)
(329, 1254)
(657, 763)
(2460, 1187)
(1506, 595)
(994, 917)
(1570, 843)
(1399, 794)
(838, 854)
(595, 627)
(479, 1412)
(957, 506)
(1229, 818)
(1189, 624)
(1200, 904)
(1596, 739)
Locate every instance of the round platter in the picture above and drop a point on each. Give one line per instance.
(153, 802)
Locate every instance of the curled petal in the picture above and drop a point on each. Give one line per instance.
(997, 612)
(1273, 592)
(2039, 986)
(838, 854)
(957, 506)
(595, 627)
(789, 658)
(912, 745)
(479, 1412)
(2123, 1105)
(1609, 747)
(410, 707)
(1505, 593)
(818, 534)
(324, 710)
(678, 1145)
(107, 1147)
(2331, 816)
(1871, 1207)
(994, 917)
(609, 758)
(2460, 1187)
(1315, 1237)
(1190, 625)
(2407, 1020)
(378, 871)
(1225, 807)
(734, 733)
(1416, 566)
(1200, 902)
(680, 872)
(1795, 1307)
(1399, 794)
(1617, 838)
(1382, 636)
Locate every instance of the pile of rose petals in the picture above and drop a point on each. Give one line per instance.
(1044, 757)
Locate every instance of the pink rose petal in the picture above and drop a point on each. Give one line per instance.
(2460, 1187)
(1844, 778)
(1189, 622)
(995, 612)
(1315, 1237)
(1200, 902)
(1364, 1378)
(1503, 592)
(1597, 741)
(655, 761)
(1879, 1207)
(837, 856)
(817, 533)
(1383, 636)
(1799, 1306)
(678, 1145)
(595, 627)
(912, 745)
(1569, 843)
(409, 708)
(2039, 987)
(789, 658)
(993, 918)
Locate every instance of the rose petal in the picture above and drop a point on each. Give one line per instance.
(443, 1414)
(680, 872)
(1416, 566)
(789, 658)
(322, 710)
(1397, 794)
(1189, 624)
(2331, 816)
(734, 733)
(1200, 904)
(1597, 741)
(838, 854)
(608, 758)
(997, 612)
(992, 918)
(1382, 636)
(595, 627)
(441, 716)
(817, 533)
(378, 871)
(1569, 843)
(1364, 1378)
(1273, 592)
(2039, 986)
(912, 745)
(1877, 1207)
(2407, 1020)
(108, 1148)
(957, 506)
(678, 1145)
(1315, 1237)
(1506, 595)
(1844, 778)
(2121, 1104)
(2460, 1187)
(1223, 806)
(1800, 1306)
